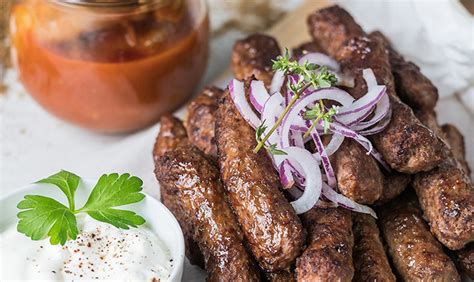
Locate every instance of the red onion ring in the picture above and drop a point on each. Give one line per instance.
(313, 183)
(258, 95)
(345, 202)
(237, 93)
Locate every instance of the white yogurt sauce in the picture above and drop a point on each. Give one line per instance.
(101, 251)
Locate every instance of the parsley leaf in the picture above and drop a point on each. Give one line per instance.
(66, 181)
(43, 216)
(113, 191)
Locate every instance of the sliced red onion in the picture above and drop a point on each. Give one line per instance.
(378, 128)
(361, 106)
(290, 174)
(286, 177)
(381, 111)
(357, 118)
(277, 81)
(334, 144)
(364, 142)
(345, 202)
(258, 95)
(272, 110)
(293, 114)
(347, 132)
(324, 158)
(320, 59)
(369, 77)
(299, 167)
(297, 139)
(237, 93)
(312, 175)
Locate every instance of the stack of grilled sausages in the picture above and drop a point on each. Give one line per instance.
(237, 220)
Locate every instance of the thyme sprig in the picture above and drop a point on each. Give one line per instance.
(309, 75)
(272, 148)
(317, 113)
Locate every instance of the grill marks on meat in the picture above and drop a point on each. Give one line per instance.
(328, 256)
(370, 260)
(172, 136)
(196, 181)
(405, 144)
(201, 120)
(415, 253)
(446, 197)
(413, 87)
(358, 174)
(253, 56)
(273, 230)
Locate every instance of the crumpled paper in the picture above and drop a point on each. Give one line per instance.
(437, 35)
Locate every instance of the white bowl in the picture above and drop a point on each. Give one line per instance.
(159, 219)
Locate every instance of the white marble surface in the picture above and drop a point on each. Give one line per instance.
(34, 144)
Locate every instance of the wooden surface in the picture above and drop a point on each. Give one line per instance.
(290, 31)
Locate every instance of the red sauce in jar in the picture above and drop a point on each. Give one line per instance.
(116, 77)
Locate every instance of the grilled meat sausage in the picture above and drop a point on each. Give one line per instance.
(172, 136)
(413, 88)
(415, 253)
(195, 179)
(405, 144)
(370, 261)
(253, 56)
(201, 120)
(447, 198)
(456, 140)
(328, 256)
(358, 174)
(394, 184)
(464, 257)
(272, 228)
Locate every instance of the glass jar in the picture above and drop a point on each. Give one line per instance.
(110, 65)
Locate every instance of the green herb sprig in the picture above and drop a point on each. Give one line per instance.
(317, 113)
(42, 217)
(272, 148)
(310, 75)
